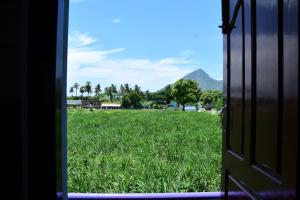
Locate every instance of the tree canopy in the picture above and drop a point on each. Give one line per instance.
(98, 89)
(131, 99)
(212, 98)
(88, 87)
(82, 90)
(186, 91)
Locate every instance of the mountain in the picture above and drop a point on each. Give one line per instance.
(204, 80)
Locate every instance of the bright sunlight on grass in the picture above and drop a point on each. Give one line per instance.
(143, 151)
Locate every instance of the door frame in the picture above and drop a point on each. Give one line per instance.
(61, 126)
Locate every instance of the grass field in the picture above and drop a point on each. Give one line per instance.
(143, 151)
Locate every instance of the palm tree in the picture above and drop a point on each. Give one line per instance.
(82, 91)
(137, 88)
(98, 89)
(109, 93)
(106, 91)
(71, 90)
(113, 90)
(126, 89)
(122, 89)
(88, 87)
(76, 86)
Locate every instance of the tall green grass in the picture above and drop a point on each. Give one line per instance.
(143, 151)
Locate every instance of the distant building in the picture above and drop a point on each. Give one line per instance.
(74, 103)
(111, 106)
(190, 108)
(91, 103)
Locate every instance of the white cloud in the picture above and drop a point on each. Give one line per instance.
(116, 20)
(97, 66)
(78, 39)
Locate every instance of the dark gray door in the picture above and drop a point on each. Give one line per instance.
(261, 79)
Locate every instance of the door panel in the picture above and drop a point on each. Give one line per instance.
(267, 86)
(237, 190)
(236, 83)
(261, 79)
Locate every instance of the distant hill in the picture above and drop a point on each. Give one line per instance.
(204, 80)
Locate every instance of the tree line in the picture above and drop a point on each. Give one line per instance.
(183, 92)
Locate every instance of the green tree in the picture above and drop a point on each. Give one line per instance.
(212, 98)
(106, 91)
(113, 89)
(98, 89)
(139, 91)
(137, 88)
(148, 95)
(186, 91)
(88, 88)
(207, 98)
(163, 96)
(109, 93)
(219, 103)
(125, 101)
(131, 100)
(76, 87)
(167, 94)
(82, 91)
(158, 98)
(126, 88)
(71, 90)
(122, 89)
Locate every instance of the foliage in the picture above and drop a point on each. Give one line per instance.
(82, 98)
(143, 151)
(158, 98)
(186, 91)
(76, 87)
(111, 92)
(147, 95)
(126, 88)
(131, 100)
(219, 103)
(113, 89)
(155, 105)
(98, 89)
(88, 88)
(146, 104)
(82, 90)
(139, 91)
(122, 90)
(137, 88)
(212, 98)
(125, 102)
(161, 97)
(167, 93)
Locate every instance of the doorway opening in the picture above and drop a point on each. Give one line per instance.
(144, 96)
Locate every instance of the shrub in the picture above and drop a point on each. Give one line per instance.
(131, 100)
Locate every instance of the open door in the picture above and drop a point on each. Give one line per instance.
(261, 115)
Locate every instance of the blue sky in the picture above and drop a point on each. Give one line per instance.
(146, 42)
